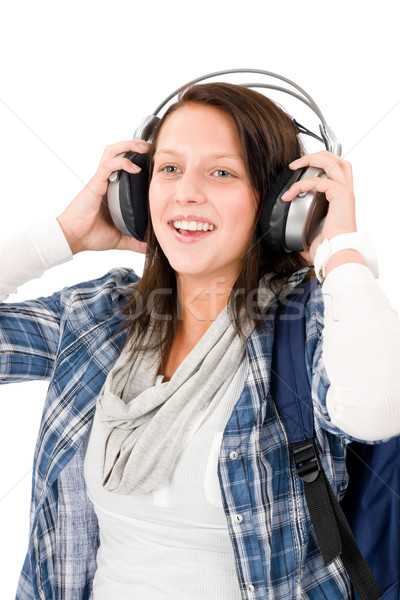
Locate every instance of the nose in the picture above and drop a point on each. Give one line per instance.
(190, 188)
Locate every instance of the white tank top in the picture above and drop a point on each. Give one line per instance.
(172, 543)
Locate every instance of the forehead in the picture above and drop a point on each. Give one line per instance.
(199, 124)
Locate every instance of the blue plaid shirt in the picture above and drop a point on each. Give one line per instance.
(72, 339)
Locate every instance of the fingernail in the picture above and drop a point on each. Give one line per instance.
(144, 147)
(285, 195)
(135, 168)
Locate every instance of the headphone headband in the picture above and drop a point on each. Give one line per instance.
(328, 137)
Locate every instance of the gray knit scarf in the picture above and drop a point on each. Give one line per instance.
(146, 423)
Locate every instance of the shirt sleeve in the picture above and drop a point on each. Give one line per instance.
(357, 379)
(29, 254)
(29, 331)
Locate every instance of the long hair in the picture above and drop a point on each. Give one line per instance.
(269, 142)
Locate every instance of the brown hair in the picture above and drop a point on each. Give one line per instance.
(269, 142)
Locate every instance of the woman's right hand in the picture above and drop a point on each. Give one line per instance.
(86, 222)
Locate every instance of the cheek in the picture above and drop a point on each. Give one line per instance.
(243, 214)
(159, 196)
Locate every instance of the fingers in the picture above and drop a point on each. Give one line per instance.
(335, 167)
(320, 184)
(130, 146)
(113, 158)
(106, 167)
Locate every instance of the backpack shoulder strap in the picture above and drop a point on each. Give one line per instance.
(291, 392)
(290, 384)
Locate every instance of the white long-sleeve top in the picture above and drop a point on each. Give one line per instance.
(363, 399)
(180, 527)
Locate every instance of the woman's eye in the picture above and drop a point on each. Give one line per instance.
(169, 169)
(222, 173)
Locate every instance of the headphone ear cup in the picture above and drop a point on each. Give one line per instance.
(274, 212)
(133, 196)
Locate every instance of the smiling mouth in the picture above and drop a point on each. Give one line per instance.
(191, 227)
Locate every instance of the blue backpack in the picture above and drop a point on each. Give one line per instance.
(364, 529)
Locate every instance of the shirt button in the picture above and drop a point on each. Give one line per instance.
(234, 455)
(250, 587)
(238, 518)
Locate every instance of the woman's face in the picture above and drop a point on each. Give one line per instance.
(199, 178)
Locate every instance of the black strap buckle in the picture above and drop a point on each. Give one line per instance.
(306, 460)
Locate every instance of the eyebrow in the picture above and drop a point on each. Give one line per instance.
(214, 156)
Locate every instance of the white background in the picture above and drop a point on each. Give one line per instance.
(77, 76)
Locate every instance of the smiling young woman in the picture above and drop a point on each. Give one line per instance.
(199, 177)
(213, 157)
(162, 469)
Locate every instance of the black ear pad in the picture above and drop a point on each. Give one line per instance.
(274, 212)
(133, 196)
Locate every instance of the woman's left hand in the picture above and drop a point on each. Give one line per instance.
(338, 189)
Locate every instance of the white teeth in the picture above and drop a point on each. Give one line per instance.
(193, 225)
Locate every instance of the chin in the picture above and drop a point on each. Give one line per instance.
(189, 271)
(187, 264)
